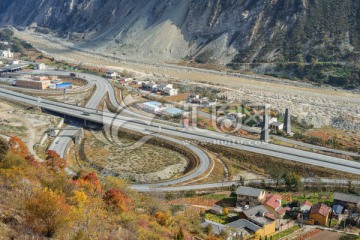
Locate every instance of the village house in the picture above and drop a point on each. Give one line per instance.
(217, 210)
(272, 203)
(162, 86)
(6, 53)
(14, 62)
(152, 107)
(241, 229)
(170, 91)
(305, 207)
(40, 66)
(346, 200)
(172, 112)
(247, 196)
(276, 126)
(260, 216)
(111, 74)
(320, 214)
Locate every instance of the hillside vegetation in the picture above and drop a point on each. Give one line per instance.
(40, 201)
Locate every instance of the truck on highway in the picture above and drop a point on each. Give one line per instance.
(72, 74)
(86, 113)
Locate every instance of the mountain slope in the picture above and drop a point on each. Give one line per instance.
(219, 31)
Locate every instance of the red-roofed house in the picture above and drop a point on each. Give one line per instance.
(320, 213)
(273, 205)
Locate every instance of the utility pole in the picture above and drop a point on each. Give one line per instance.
(64, 95)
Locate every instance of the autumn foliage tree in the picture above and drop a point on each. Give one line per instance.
(88, 215)
(90, 183)
(18, 147)
(164, 219)
(117, 200)
(47, 212)
(54, 162)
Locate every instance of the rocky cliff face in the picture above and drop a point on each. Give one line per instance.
(219, 31)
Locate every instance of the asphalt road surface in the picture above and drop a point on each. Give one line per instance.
(61, 142)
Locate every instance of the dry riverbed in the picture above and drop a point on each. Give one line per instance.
(311, 105)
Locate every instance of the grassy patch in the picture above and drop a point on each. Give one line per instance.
(223, 219)
(334, 222)
(314, 198)
(286, 232)
(215, 196)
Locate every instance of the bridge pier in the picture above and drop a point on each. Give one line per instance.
(79, 136)
(265, 135)
(287, 122)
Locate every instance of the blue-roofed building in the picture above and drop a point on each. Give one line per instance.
(64, 85)
(338, 209)
(172, 112)
(153, 107)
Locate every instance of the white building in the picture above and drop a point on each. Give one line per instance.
(14, 62)
(162, 86)
(276, 126)
(40, 66)
(6, 53)
(171, 91)
(209, 104)
(111, 74)
(137, 82)
(272, 120)
(153, 107)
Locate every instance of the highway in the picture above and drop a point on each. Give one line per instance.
(305, 181)
(65, 136)
(194, 134)
(283, 139)
(102, 87)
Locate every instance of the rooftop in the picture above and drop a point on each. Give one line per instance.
(276, 124)
(243, 223)
(347, 198)
(249, 191)
(173, 111)
(273, 201)
(217, 208)
(262, 220)
(321, 209)
(152, 104)
(216, 227)
(306, 203)
(255, 210)
(338, 209)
